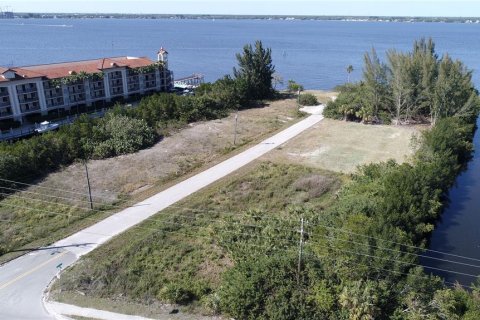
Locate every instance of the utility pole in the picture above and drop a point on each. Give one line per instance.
(88, 184)
(235, 132)
(300, 251)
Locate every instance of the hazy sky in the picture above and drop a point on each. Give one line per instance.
(269, 7)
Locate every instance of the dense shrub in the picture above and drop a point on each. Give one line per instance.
(265, 287)
(361, 276)
(307, 99)
(116, 135)
(348, 103)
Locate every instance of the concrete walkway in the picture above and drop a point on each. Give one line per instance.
(23, 280)
(64, 311)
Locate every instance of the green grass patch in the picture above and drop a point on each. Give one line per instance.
(32, 219)
(179, 255)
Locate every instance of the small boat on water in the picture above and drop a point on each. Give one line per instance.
(46, 126)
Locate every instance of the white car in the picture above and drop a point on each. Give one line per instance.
(46, 126)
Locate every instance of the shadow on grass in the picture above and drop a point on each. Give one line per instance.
(50, 248)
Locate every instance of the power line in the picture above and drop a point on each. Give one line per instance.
(270, 238)
(404, 262)
(45, 201)
(150, 220)
(400, 251)
(174, 223)
(56, 197)
(276, 228)
(137, 225)
(264, 217)
(313, 255)
(50, 188)
(393, 242)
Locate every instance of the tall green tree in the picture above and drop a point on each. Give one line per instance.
(349, 70)
(454, 93)
(376, 87)
(401, 85)
(255, 71)
(425, 62)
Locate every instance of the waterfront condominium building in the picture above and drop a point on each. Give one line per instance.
(60, 86)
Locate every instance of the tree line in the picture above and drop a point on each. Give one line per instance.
(416, 86)
(361, 255)
(360, 258)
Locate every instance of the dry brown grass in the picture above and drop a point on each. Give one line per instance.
(316, 184)
(197, 145)
(134, 177)
(342, 146)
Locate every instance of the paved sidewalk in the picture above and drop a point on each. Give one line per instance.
(63, 311)
(23, 280)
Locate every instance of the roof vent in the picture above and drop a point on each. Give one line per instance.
(113, 64)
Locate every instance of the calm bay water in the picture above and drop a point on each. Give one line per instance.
(314, 53)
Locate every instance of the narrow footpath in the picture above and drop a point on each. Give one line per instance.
(24, 280)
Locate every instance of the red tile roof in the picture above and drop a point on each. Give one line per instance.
(61, 70)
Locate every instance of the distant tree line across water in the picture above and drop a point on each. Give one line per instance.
(47, 15)
(361, 253)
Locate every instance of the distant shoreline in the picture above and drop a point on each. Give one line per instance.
(23, 15)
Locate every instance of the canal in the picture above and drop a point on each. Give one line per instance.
(457, 234)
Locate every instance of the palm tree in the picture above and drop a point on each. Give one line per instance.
(349, 70)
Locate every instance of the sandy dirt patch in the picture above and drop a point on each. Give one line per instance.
(342, 146)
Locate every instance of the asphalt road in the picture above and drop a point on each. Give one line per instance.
(24, 280)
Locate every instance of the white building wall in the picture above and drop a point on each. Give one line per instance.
(88, 97)
(41, 97)
(158, 80)
(106, 83)
(124, 82)
(12, 91)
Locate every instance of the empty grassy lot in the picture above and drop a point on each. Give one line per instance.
(178, 254)
(342, 146)
(58, 205)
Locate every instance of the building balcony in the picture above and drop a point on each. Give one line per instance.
(54, 103)
(98, 94)
(150, 84)
(148, 77)
(115, 83)
(29, 107)
(134, 88)
(26, 90)
(57, 94)
(76, 88)
(4, 104)
(50, 85)
(112, 76)
(116, 92)
(6, 112)
(77, 98)
(27, 100)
